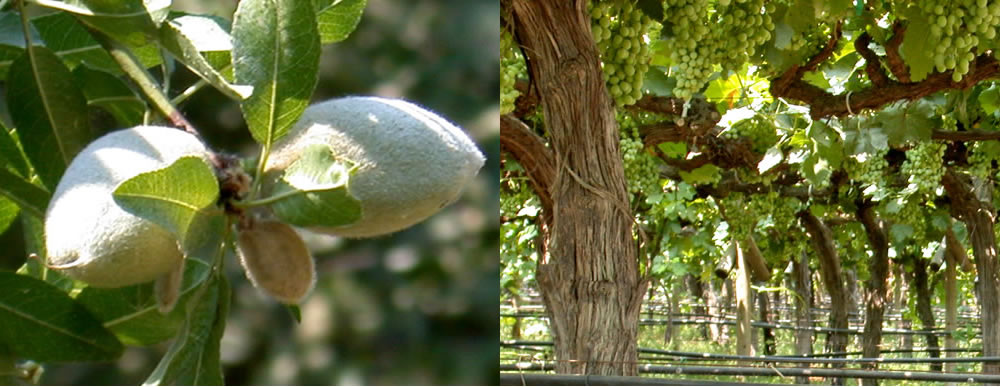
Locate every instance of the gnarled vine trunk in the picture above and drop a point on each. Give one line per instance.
(589, 277)
(829, 267)
(803, 309)
(924, 311)
(876, 287)
(979, 218)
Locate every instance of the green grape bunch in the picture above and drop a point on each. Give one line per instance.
(924, 166)
(956, 30)
(641, 168)
(620, 30)
(512, 67)
(702, 37)
(869, 171)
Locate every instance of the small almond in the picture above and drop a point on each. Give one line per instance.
(276, 260)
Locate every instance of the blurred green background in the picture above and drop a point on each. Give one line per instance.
(416, 307)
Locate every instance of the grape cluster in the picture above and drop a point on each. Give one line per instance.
(981, 156)
(619, 28)
(911, 213)
(739, 216)
(869, 171)
(511, 67)
(701, 37)
(757, 129)
(957, 28)
(924, 166)
(641, 171)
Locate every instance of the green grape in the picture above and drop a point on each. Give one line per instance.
(911, 214)
(981, 157)
(512, 67)
(738, 28)
(740, 217)
(620, 30)
(641, 169)
(758, 130)
(957, 28)
(870, 171)
(924, 166)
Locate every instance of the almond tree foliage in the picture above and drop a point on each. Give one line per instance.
(66, 65)
(642, 138)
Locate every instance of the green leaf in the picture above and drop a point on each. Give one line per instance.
(187, 37)
(276, 50)
(72, 42)
(907, 122)
(43, 324)
(29, 197)
(172, 197)
(771, 158)
(336, 19)
(313, 191)
(989, 100)
(129, 21)
(108, 92)
(49, 111)
(132, 312)
(194, 357)
(8, 212)
(11, 154)
(12, 40)
(705, 174)
(914, 50)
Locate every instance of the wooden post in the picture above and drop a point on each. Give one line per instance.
(744, 305)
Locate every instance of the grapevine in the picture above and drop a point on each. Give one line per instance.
(956, 29)
(924, 167)
(620, 30)
(700, 39)
(511, 68)
(981, 157)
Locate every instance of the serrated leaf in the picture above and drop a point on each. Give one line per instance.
(129, 21)
(914, 49)
(42, 323)
(906, 122)
(314, 191)
(276, 49)
(49, 111)
(194, 357)
(131, 312)
(187, 37)
(112, 94)
(172, 197)
(72, 42)
(27, 196)
(336, 19)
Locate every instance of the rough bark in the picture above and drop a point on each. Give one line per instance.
(763, 305)
(950, 303)
(744, 304)
(979, 218)
(876, 287)
(589, 278)
(924, 311)
(829, 267)
(697, 290)
(803, 306)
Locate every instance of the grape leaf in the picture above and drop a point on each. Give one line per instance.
(49, 111)
(906, 122)
(914, 49)
(276, 49)
(42, 323)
